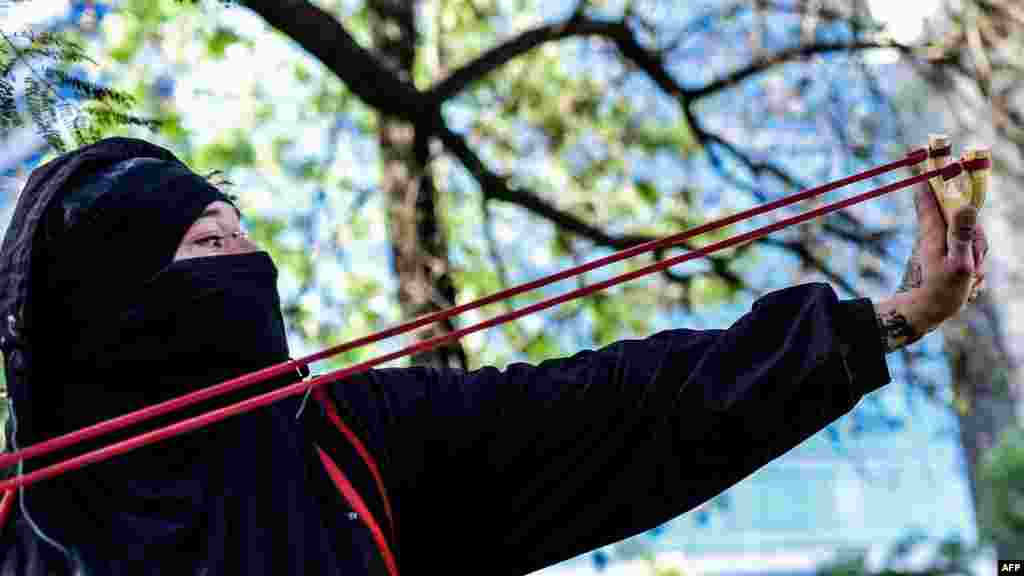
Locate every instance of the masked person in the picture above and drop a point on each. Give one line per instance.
(125, 280)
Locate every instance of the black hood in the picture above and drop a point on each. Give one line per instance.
(45, 210)
(99, 321)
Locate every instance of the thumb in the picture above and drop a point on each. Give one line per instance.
(960, 240)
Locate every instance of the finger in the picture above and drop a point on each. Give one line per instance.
(976, 289)
(960, 241)
(980, 247)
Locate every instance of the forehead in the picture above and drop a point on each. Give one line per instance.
(220, 210)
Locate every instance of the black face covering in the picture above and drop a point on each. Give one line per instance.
(124, 325)
(196, 323)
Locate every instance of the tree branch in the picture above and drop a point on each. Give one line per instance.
(872, 240)
(618, 32)
(651, 63)
(320, 34)
(495, 187)
(511, 49)
(784, 56)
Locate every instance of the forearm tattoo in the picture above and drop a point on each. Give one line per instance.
(912, 276)
(896, 331)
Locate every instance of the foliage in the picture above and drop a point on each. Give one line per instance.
(1002, 473)
(50, 90)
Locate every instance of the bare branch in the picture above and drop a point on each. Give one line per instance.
(496, 187)
(618, 32)
(872, 240)
(511, 49)
(788, 55)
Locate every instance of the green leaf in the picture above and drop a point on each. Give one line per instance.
(236, 150)
(646, 190)
(172, 127)
(221, 38)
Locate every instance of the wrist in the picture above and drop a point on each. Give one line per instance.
(902, 320)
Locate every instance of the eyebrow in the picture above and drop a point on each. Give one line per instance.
(213, 212)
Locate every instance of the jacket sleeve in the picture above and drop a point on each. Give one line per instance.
(507, 471)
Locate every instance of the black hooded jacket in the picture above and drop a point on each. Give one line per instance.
(489, 471)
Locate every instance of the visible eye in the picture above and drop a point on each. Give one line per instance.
(214, 241)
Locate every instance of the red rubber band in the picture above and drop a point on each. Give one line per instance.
(977, 164)
(6, 505)
(266, 398)
(950, 171)
(6, 460)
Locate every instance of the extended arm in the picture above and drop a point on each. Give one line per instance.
(513, 470)
(505, 472)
